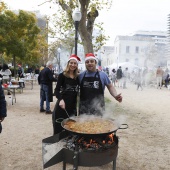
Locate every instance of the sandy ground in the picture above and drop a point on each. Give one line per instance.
(145, 145)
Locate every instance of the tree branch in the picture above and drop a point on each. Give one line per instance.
(44, 2)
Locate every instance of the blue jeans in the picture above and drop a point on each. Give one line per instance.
(44, 96)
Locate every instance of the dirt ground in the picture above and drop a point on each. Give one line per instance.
(145, 145)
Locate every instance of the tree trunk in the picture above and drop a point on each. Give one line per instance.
(84, 31)
(86, 40)
(86, 23)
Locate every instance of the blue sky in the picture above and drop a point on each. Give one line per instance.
(125, 16)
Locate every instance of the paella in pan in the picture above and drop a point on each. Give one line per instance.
(92, 126)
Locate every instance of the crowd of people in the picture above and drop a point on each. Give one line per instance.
(158, 77)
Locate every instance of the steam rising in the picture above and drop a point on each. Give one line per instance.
(109, 113)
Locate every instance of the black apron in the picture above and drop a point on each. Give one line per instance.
(69, 95)
(91, 95)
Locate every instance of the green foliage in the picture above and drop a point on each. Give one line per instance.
(2, 7)
(20, 36)
(64, 23)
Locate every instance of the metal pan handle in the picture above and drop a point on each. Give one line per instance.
(126, 126)
(59, 120)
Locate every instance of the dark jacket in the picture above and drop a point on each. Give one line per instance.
(20, 72)
(3, 109)
(66, 89)
(46, 77)
(119, 73)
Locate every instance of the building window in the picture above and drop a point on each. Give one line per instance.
(136, 61)
(137, 50)
(127, 49)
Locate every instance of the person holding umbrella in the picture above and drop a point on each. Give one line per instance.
(92, 86)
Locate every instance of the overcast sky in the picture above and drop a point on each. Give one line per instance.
(125, 16)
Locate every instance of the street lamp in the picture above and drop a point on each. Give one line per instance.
(76, 17)
(59, 50)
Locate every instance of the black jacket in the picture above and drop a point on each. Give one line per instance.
(119, 73)
(3, 109)
(46, 77)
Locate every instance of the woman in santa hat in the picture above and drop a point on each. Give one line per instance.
(66, 92)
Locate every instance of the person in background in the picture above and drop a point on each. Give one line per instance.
(66, 93)
(159, 76)
(92, 86)
(119, 75)
(167, 79)
(107, 71)
(144, 76)
(113, 77)
(125, 77)
(6, 73)
(29, 70)
(46, 79)
(20, 71)
(3, 107)
(37, 72)
(132, 76)
(21, 75)
(139, 79)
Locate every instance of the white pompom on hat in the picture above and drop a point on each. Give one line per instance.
(90, 56)
(74, 57)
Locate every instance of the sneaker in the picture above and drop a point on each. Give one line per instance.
(42, 110)
(48, 112)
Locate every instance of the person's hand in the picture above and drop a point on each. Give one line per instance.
(62, 104)
(118, 97)
(1, 119)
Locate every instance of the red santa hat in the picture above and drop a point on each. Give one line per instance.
(74, 57)
(90, 56)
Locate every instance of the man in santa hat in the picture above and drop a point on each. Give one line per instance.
(92, 86)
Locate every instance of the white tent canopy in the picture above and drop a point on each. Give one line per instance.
(129, 65)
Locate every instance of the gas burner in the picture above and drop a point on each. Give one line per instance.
(90, 144)
(79, 150)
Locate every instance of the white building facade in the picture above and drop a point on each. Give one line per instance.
(143, 48)
(106, 55)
